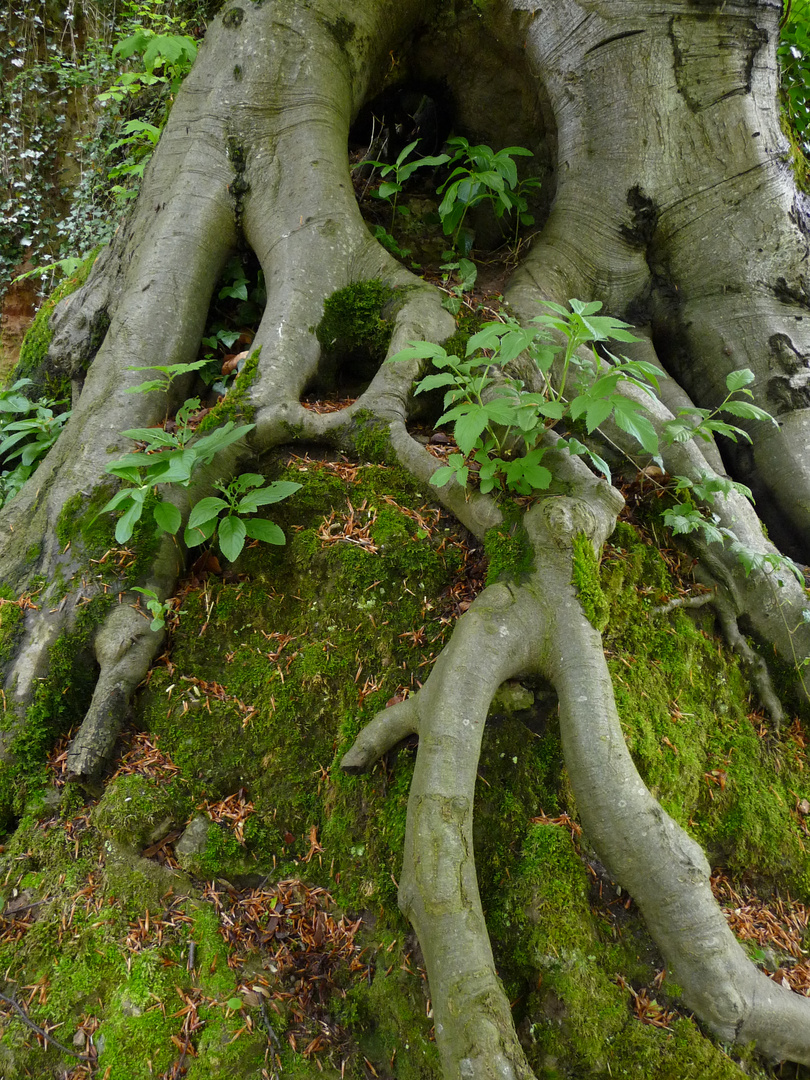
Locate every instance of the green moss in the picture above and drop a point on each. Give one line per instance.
(508, 552)
(353, 321)
(685, 711)
(135, 810)
(81, 518)
(236, 405)
(61, 700)
(390, 1018)
(11, 620)
(372, 439)
(578, 1021)
(223, 853)
(33, 351)
(586, 581)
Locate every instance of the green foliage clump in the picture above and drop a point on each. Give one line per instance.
(236, 406)
(586, 580)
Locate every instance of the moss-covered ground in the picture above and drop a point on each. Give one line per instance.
(269, 674)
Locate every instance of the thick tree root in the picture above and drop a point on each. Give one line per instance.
(531, 629)
(266, 160)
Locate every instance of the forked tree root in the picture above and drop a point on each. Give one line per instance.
(538, 628)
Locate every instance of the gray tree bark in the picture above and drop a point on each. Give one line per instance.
(673, 204)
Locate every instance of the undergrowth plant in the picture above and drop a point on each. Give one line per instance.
(170, 458)
(241, 497)
(479, 174)
(483, 175)
(28, 429)
(794, 63)
(502, 429)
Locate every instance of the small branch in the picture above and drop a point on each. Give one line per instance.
(23, 1015)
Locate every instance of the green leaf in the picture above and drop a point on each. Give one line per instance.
(245, 481)
(206, 509)
(736, 380)
(432, 382)
(443, 475)
(273, 493)
(125, 525)
(167, 517)
(147, 387)
(468, 429)
(209, 445)
(232, 534)
(456, 412)
(200, 533)
(234, 1003)
(153, 436)
(601, 464)
(501, 410)
(170, 467)
(420, 350)
(120, 497)
(597, 412)
(268, 531)
(746, 410)
(629, 418)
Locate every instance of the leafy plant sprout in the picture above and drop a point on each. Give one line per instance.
(241, 497)
(28, 439)
(158, 609)
(170, 458)
(498, 426)
(402, 169)
(483, 175)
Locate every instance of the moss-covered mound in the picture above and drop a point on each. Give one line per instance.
(227, 903)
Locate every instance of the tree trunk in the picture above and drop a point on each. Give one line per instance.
(673, 204)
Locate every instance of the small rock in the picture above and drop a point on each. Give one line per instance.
(80, 1038)
(804, 807)
(194, 839)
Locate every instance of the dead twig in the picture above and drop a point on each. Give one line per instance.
(23, 1015)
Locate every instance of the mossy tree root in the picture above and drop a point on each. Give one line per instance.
(539, 628)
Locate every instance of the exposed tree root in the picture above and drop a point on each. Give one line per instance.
(539, 628)
(266, 162)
